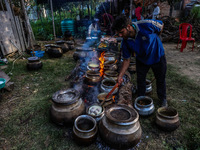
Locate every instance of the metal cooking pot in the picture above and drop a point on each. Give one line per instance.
(63, 45)
(110, 65)
(144, 105)
(54, 50)
(66, 106)
(111, 74)
(107, 85)
(120, 127)
(96, 111)
(109, 56)
(85, 130)
(167, 118)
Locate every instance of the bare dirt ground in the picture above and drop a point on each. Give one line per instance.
(186, 62)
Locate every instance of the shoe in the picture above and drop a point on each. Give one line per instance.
(164, 103)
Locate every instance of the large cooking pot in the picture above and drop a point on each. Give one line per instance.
(81, 52)
(63, 45)
(34, 63)
(111, 74)
(109, 56)
(54, 50)
(85, 130)
(92, 77)
(167, 118)
(107, 85)
(101, 98)
(120, 127)
(144, 105)
(110, 65)
(67, 105)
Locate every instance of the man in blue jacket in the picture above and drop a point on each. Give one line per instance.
(142, 37)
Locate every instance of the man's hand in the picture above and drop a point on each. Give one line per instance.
(120, 80)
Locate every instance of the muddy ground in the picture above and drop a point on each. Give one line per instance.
(186, 62)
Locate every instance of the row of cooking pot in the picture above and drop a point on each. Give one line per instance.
(119, 127)
(57, 50)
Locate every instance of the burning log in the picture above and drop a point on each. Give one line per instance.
(125, 94)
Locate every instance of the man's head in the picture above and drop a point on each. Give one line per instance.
(155, 4)
(123, 27)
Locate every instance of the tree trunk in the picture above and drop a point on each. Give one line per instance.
(29, 30)
(54, 32)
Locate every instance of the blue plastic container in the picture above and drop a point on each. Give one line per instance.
(68, 24)
(2, 82)
(38, 53)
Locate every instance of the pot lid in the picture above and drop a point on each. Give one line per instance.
(60, 42)
(69, 42)
(52, 45)
(122, 114)
(33, 58)
(84, 49)
(68, 96)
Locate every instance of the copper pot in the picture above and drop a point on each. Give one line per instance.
(85, 130)
(93, 76)
(167, 118)
(120, 127)
(66, 106)
(93, 66)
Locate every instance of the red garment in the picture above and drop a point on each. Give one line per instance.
(138, 12)
(107, 19)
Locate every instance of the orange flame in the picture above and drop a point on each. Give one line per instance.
(101, 59)
(113, 98)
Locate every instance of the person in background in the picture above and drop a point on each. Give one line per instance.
(156, 11)
(148, 15)
(94, 29)
(138, 11)
(126, 11)
(142, 37)
(107, 22)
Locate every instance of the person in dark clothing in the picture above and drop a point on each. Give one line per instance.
(107, 22)
(142, 37)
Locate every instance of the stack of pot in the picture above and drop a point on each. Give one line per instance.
(34, 63)
(63, 45)
(54, 50)
(70, 44)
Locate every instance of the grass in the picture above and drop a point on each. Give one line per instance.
(25, 122)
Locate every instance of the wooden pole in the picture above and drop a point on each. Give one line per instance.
(131, 8)
(28, 25)
(54, 31)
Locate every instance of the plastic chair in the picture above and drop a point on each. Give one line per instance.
(183, 32)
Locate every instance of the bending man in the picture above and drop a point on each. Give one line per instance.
(142, 37)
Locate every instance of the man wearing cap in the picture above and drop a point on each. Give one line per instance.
(142, 37)
(156, 11)
(94, 29)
